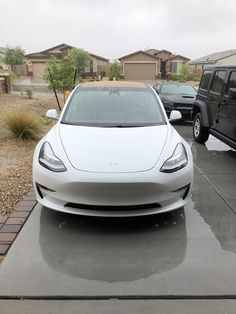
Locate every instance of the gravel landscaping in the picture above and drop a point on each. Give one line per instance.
(15, 154)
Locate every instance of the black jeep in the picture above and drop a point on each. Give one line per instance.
(214, 110)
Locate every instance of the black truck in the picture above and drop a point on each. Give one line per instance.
(214, 110)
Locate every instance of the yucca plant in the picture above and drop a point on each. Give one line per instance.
(23, 124)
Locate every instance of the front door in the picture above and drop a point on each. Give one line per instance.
(163, 70)
(215, 96)
(227, 114)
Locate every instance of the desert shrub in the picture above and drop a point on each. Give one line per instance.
(196, 79)
(102, 73)
(174, 77)
(23, 124)
(182, 79)
(29, 93)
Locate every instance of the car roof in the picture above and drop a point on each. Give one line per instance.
(118, 84)
(174, 83)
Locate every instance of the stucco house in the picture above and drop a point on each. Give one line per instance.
(227, 57)
(151, 64)
(37, 61)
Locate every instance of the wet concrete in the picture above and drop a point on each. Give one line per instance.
(118, 306)
(187, 253)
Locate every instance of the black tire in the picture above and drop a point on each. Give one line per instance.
(200, 133)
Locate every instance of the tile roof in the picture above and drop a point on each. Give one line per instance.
(46, 53)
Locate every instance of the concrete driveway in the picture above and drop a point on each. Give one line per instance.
(187, 254)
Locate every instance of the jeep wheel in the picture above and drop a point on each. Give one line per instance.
(200, 133)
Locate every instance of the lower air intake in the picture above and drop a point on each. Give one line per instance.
(113, 208)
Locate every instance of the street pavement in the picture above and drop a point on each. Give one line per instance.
(182, 261)
(37, 85)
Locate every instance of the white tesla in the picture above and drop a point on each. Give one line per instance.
(113, 152)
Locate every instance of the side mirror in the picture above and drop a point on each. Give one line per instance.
(232, 94)
(175, 115)
(52, 114)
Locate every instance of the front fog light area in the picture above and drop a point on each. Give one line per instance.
(48, 159)
(177, 161)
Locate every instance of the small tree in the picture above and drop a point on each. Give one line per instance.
(14, 56)
(59, 75)
(81, 59)
(63, 72)
(185, 73)
(114, 70)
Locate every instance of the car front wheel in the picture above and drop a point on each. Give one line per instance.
(200, 133)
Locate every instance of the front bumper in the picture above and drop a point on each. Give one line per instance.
(112, 195)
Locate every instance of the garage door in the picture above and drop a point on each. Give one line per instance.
(140, 71)
(38, 69)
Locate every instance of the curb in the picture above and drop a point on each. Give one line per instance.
(11, 226)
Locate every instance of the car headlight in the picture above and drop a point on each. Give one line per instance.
(177, 161)
(49, 160)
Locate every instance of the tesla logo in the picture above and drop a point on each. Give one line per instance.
(113, 165)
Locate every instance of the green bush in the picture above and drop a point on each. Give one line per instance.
(114, 70)
(174, 77)
(102, 73)
(185, 73)
(23, 124)
(182, 79)
(29, 93)
(196, 79)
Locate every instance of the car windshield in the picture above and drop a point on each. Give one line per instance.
(178, 89)
(113, 107)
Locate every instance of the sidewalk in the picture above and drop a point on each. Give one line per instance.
(118, 306)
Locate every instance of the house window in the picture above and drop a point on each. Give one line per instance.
(176, 67)
(87, 67)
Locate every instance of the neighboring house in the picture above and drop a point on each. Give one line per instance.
(227, 57)
(140, 66)
(37, 61)
(151, 64)
(170, 63)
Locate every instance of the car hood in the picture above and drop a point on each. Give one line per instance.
(178, 98)
(99, 149)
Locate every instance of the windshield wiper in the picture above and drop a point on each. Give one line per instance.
(123, 126)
